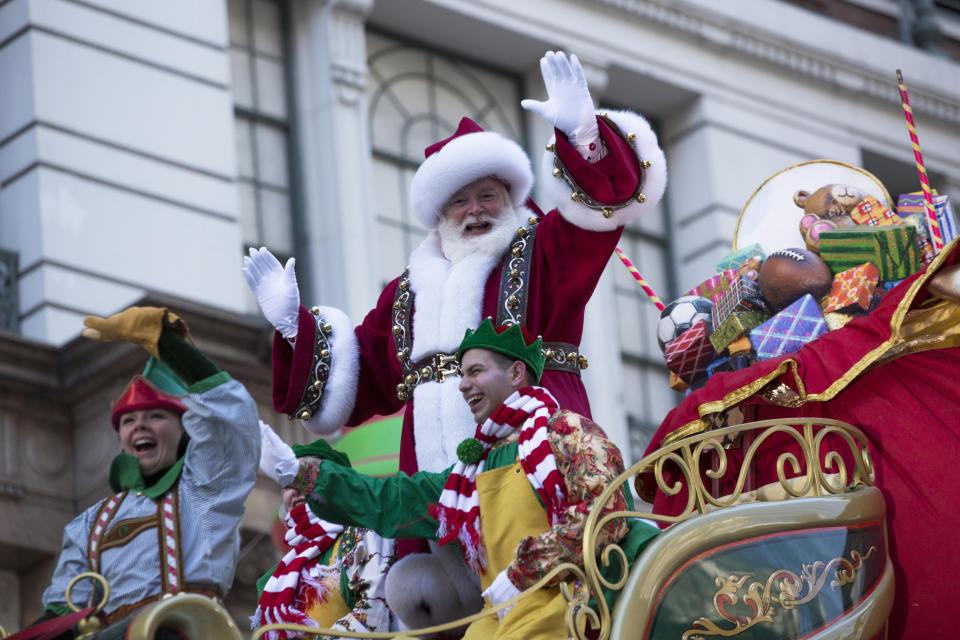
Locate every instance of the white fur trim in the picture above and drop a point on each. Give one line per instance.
(422, 590)
(449, 300)
(340, 394)
(460, 162)
(557, 191)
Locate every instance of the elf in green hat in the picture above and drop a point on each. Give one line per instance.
(190, 445)
(332, 577)
(517, 499)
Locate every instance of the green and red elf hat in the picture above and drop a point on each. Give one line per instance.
(512, 341)
(156, 388)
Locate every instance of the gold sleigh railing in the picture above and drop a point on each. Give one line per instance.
(697, 464)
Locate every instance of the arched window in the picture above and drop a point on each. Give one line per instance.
(416, 97)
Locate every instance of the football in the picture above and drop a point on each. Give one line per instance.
(788, 274)
(680, 315)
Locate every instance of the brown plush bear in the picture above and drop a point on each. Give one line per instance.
(826, 208)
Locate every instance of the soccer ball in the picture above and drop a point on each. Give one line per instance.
(680, 315)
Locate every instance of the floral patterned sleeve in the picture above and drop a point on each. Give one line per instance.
(365, 559)
(588, 462)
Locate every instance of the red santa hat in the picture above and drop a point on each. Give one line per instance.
(469, 154)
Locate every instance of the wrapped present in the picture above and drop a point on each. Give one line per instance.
(691, 352)
(790, 329)
(911, 203)
(836, 320)
(736, 259)
(735, 326)
(741, 345)
(874, 213)
(919, 222)
(853, 287)
(945, 217)
(743, 294)
(714, 287)
(730, 363)
(893, 250)
(677, 383)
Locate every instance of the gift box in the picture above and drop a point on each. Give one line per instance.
(911, 203)
(919, 222)
(730, 363)
(691, 352)
(743, 294)
(736, 259)
(790, 329)
(874, 213)
(892, 249)
(836, 320)
(945, 217)
(677, 383)
(735, 326)
(853, 287)
(714, 287)
(741, 345)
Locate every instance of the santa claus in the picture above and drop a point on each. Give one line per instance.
(490, 253)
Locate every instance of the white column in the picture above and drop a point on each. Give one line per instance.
(330, 77)
(10, 602)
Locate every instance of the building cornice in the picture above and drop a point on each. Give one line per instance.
(729, 36)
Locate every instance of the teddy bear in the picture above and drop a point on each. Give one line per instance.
(826, 208)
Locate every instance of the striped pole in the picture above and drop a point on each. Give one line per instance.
(647, 289)
(935, 232)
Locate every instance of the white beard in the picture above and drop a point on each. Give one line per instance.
(492, 244)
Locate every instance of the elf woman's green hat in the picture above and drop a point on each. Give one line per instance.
(510, 340)
(321, 449)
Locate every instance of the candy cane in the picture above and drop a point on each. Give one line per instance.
(918, 157)
(647, 289)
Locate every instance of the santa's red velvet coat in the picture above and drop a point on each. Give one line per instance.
(572, 246)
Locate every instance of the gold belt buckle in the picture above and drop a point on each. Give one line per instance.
(445, 365)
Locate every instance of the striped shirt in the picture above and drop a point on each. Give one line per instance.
(219, 470)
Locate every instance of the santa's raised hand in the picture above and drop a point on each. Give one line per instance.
(275, 287)
(568, 106)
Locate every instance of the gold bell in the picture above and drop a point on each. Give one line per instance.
(533, 220)
(514, 273)
(607, 212)
(522, 232)
(572, 356)
(397, 305)
(397, 329)
(551, 146)
(317, 384)
(326, 327)
(513, 302)
(641, 198)
(401, 388)
(304, 415)
(557, 173)
(549, 353)
(411, 378)
(402, 396)
(575, 196)
(324, 354)
(631, 137)
(404, 285)
(516, 251)
(645, 164)
(315, 310)
(425, 372)
(582, 362)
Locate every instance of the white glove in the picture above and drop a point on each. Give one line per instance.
(275, 287)
(501, 590)
(569, 106)
(277, 460)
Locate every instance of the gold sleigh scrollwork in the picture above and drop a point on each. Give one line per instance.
(761, 599)
(583, 587)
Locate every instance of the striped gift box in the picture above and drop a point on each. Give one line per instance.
(690, 353)
(714, 287)
(945, 217)
(893, 250)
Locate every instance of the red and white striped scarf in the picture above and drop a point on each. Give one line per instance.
(282, 599)
(458, 510)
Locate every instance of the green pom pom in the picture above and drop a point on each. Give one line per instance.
(469, 451)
